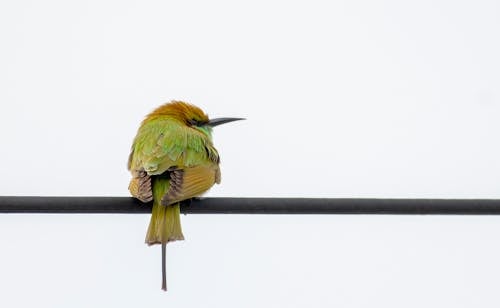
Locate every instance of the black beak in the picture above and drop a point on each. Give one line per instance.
(219, 121)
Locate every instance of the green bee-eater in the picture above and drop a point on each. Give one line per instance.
(172, 159)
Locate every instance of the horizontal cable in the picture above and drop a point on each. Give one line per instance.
(124, 205)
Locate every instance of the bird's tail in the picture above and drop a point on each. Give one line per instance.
(165, 224)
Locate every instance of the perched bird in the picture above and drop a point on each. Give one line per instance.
(172, 159)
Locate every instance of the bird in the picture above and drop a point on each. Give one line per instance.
(172, 159)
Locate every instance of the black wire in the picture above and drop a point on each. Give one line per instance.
(124, 205)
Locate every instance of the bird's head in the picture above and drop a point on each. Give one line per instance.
(189, 115)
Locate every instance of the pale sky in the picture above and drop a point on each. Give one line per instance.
(342, 99)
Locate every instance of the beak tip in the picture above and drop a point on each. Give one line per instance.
(219, 121)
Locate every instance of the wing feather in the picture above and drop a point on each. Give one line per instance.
(190, 182)
(161, 144)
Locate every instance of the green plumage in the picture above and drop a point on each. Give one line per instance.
(165, 142)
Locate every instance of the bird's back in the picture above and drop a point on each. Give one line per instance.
(166, 147)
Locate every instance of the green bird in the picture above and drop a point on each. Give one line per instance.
(173, 159)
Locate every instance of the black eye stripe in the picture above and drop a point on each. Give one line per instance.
(194, 122)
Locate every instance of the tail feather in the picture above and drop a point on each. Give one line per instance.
(165, 224)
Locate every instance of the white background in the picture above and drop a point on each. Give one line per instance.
(343, 99)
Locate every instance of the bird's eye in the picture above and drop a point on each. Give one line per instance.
(193, 122)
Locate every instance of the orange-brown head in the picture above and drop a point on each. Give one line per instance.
(189, 115)
(181, 111)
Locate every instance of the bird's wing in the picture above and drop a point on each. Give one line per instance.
(140, 186)
(164, 144)
(191, 182)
